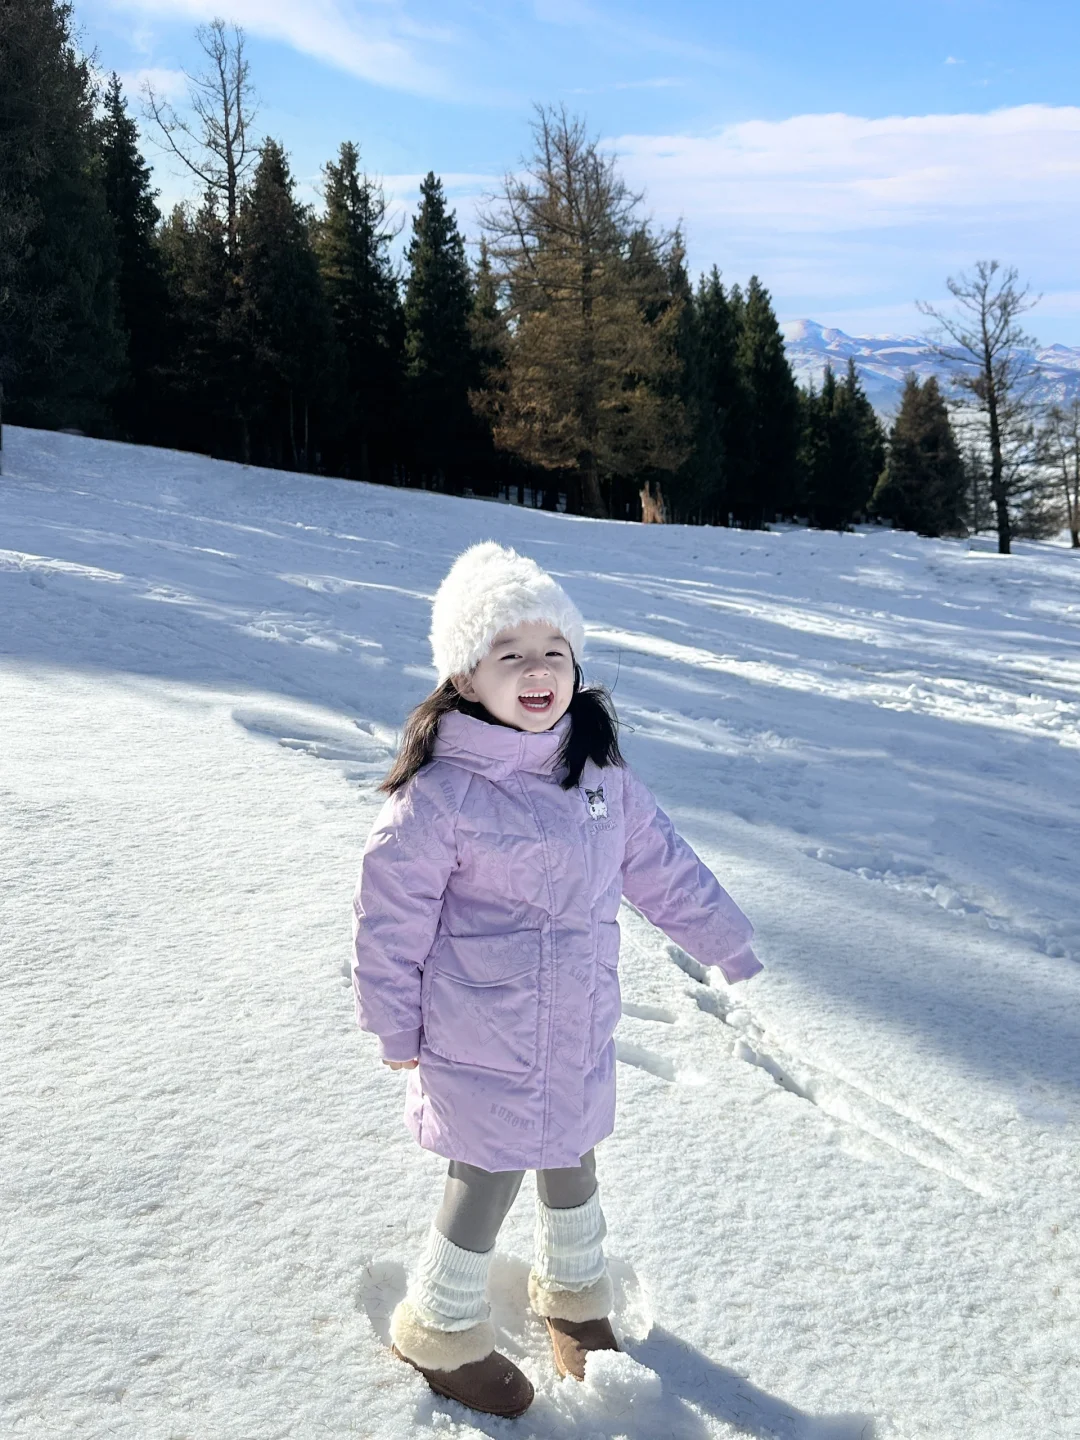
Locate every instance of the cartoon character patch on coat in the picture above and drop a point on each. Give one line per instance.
(597, 803)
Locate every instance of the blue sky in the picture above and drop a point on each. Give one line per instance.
(853, 155)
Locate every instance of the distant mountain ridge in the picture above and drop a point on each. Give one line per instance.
(883, 360)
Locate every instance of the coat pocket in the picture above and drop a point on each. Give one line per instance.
(480, 999)
(607, 1000)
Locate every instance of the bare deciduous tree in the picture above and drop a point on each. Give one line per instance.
(1060, 449)
(589, 358)
(217, 144)
(984, 342)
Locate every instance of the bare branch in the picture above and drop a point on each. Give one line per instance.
(217, 146)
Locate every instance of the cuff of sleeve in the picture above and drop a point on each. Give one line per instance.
(402, 1045)
(741, 965)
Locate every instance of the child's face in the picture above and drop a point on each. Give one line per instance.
(526, 679)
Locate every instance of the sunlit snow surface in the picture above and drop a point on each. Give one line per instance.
(842, 1198)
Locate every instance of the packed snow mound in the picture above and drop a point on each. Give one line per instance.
(841, 1198)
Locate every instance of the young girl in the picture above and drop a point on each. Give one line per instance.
(486, 954)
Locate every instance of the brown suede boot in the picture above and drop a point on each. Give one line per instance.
(573, 1341)
(493, 1385)
(463, 1365)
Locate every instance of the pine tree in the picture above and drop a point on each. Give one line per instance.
(842, 450)
(489, 334)
(489, 339)
(441, 368)
(722, 399)
(586, 387)
(285, 315)
(977, 501)
(870, 437)
(61, 347)
(140, 277)
(656, 273)
(353, 246)
(762, 481)
(924, 482)
(211, 369)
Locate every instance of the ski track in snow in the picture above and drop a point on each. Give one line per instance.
(841, 1198)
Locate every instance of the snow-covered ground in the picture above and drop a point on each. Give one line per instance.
(842, 1198)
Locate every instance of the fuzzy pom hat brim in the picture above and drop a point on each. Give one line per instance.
(489, 588)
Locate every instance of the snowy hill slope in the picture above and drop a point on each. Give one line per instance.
(884, 360)
(842, 1197)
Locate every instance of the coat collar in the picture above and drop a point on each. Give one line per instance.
(497, 751)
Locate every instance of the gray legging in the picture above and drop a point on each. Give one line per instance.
(476, 1202)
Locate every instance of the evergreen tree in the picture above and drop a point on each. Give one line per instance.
(284, 314)
(586, 387)
(61, 347)
(977, 499)
(686, 493)
(489, 334)
(489, 338)
(353, 245)
(212, 366)
(924, 482)
(140, 276)
(656, 272)
(842, 450)
(722, 396)
(440, 364)
(763, 474)
(870, 436)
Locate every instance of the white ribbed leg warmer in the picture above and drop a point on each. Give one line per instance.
(570, 1280)
(443, 1322)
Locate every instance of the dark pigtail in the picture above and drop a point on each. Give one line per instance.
(593, 733)
(420, 730)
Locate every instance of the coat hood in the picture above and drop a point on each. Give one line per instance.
(496, 751)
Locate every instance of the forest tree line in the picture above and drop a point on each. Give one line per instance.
(571, 363)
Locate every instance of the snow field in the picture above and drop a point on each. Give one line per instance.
(841, 1198)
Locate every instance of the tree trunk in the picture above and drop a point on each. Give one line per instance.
(592, 498)
(1075, 539)
(997, 474)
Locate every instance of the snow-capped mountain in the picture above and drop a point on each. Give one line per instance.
(883, 361)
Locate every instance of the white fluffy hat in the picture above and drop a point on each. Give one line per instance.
(489, 588)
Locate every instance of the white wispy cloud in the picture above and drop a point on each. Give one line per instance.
(845, 216)
(168, 85)
(373, 39)
(840, 172)
(620, 31)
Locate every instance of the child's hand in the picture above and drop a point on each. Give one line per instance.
(401, 1064)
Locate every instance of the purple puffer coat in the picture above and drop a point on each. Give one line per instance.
(486, 940)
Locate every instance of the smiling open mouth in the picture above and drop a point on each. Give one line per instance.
(538, 700)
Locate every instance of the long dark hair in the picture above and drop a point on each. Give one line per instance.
(593, 733)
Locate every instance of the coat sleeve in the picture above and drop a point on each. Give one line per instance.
(407, 861)
(667, 882)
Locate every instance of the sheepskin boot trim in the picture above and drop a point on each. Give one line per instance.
(432, 1349)
(592, 1302)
